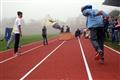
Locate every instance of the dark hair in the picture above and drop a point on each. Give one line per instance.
(86, 7)
(19, 13)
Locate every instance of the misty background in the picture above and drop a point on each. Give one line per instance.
(36, 12)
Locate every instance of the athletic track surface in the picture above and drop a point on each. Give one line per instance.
(60, 60)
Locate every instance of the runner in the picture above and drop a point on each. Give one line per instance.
(96, 26)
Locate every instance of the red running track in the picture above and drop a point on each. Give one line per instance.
(110, 70)
(60, 61)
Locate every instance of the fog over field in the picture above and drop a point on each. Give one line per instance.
(35, 12)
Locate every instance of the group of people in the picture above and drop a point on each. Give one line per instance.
(94, 23)
(67, 29)
(16, 34)
(112, 30)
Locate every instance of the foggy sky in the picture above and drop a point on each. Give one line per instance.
(62, 10)
(37, 9)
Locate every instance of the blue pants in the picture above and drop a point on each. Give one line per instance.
(97, 38)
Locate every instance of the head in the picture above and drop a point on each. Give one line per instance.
(67, 26)
(20, 14)
(86, 7)
(44, 26)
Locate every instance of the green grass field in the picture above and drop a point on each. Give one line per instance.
(113, 45)
(33, 38)
(25, 40)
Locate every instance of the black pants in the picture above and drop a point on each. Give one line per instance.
(16, 44)
(97, 38)
(45, 41)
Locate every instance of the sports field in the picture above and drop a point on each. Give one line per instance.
(60, 60)
(25, 40)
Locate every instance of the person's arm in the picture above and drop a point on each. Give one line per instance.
(20, 22)
(102, 13)
(19, 27)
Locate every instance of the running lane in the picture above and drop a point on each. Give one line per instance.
(110, 70)
(14, 69)
(9, 53)
(64, 64)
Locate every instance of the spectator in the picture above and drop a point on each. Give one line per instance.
(44, 35)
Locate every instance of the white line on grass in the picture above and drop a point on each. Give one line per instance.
(85, 61)
(21, 46)
(23, 53)
(41, 61)
(112, 49)
(24, 45)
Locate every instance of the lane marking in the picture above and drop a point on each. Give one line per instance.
(21, 46)
(24, 45)
(31, 70)
(85, 61)
(112, 49)
(24, 52)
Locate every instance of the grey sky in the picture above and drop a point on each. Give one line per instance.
(37, 9)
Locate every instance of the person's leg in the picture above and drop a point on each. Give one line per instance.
(46, 40)
(16, 45)
(94, 39)
(101, 35)
(118, 36)
(43, 40)
(10, 41)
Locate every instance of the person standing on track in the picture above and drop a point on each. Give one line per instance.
(17, 31)
(67, 29)
(77, 33)
(96, 26)
(62, 29)
(44, 35)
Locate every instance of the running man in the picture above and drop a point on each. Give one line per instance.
(44, 35)
(17, 31)
(96, 26)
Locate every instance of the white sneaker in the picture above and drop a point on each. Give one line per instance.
(15, 55)
(18, 54)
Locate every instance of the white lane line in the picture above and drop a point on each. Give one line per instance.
(85, 61)
(112, 49)
(23, 52)
(21, 46)
(24, 45)
(30, 71)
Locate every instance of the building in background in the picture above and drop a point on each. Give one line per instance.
(112, 2)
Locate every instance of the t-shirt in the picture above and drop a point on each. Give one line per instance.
(17, 23)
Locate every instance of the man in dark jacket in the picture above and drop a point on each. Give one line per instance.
(77, 33)
(44, 35)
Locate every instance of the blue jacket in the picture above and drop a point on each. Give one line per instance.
(93, 19)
